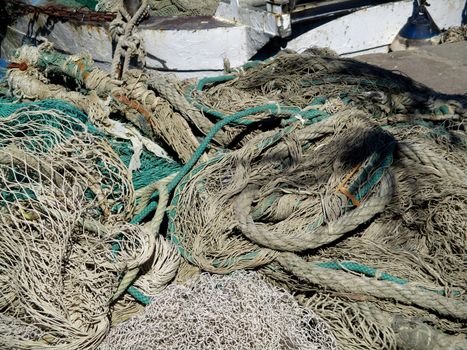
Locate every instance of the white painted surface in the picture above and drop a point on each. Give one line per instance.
(171, 49)
(199, 52)
(201, 49)
(260, 20)
(375, 27)
(65, 36)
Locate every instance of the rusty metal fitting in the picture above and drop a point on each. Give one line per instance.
(81, 15)
(21, 66)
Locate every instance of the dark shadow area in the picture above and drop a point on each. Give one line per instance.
(31, 35)
(464, 14)
(263, 125)
(4, 21)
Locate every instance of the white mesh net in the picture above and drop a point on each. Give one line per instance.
(237, 311)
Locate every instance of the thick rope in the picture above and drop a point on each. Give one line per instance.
(126, 44)
(153, 227)
(344, 282)
(303, 240)
(166, 86)
(152, 115)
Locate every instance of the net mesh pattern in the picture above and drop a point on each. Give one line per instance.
(238, 311)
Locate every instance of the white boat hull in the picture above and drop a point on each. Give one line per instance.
(199, 46)
(372, 30)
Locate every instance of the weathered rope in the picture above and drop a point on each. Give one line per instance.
(167, 88)
(408, 294)
(154, 116)
(322, 235)
(152, 227)
(128, 45)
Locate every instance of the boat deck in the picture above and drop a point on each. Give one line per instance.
(442, 68)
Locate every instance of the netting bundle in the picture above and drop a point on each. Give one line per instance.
(64, 203)
(355, 197)
(314, 81)
(292, 190)
(239, 311)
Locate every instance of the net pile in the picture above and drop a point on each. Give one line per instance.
(239, 311)
(311, 86)
(357, 200)
(339, 182)
(65, 204)
(313, 81)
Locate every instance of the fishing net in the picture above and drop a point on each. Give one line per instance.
(310, 80)
(337, 181)
(310, 86)
(239, 311)
(65, 202)
(419, 238)
(455, 34)
(129, 101)
(275, 184)
(354, 197)
(331, 193)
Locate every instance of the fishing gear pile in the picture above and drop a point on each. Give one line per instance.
(66, 198)
(125, 198)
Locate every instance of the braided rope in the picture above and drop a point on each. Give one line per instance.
(319, 236)
(343, 282)
(166, 87)
(127, 40)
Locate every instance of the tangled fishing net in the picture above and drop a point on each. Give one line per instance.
(337, 181)
(358, 199)
(65, 202)
(239, 311)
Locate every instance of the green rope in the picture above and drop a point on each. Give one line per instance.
(139, 296)
(270, 108)
(187, 168)
(275, 110)
(363, 269)
(372, 272)
(211, 80)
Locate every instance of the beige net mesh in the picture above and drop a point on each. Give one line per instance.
(63, 206)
